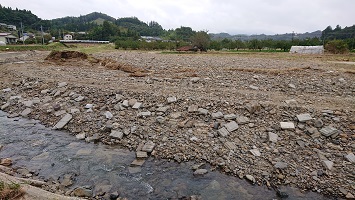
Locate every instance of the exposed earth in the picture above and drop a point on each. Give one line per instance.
(273, 119)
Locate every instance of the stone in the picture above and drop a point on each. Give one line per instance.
(63, 121)
(67, 180)
(148, 146)
(44, 91)
(26, 112)
(242, 120)
(349, 196)
(74, 110)
(80, 136)
(137, 105)
(36, 100)
(255, 152)
(88, 106)
(231, 126)
(217, 115)
(192, 108)
(230, 145)
(79, 98)
(291, 102)
(223, 132)
(304, 117)
(162, 109)
(175, 115)
(116, 134)
(230, 116)
(253, 87)
(125, 104)
(82, 192)
(3, 107)
(350, 157)
(160, 119)
(59, 113)
(200, 172)
(328, 131)
(108, 115)
(253, 107)
(195, 79)
(119, 97)
(141, 154)
(28, 103)
(62, 84)
(291, 86)
(287, 125)
(280, 165)
(131, 102)
(171, 99)
(273, 137)
(138, 162)
(250, 178)
(327, 164)
(6, 90)
(6, 162)
(202, 111)
(318, 123)
(144, 114)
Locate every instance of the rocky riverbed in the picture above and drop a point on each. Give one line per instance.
(273, 119)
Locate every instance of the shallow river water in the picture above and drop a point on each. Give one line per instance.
(53, 154)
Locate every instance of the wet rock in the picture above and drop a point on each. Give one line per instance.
(287, 125)
(231, 126)
(66, 119)
(304, 117)
(82, 192)
(200, 172)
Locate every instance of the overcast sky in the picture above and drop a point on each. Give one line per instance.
(230, 16)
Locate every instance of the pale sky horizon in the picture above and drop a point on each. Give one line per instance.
(227, 16)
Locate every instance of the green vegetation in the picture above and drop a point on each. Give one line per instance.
(50, 47)
(337, 47)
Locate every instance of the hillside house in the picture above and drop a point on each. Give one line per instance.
(68, 37)
(7, 38)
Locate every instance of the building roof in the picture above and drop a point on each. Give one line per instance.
(4, 34)
(11, 36)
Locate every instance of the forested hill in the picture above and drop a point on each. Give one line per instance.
(16, 16)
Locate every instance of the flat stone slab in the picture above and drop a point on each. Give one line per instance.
(141, 154)
(242, 120)
(217, 115)
(203, 111)
(328, 131)
(231, 126)
(63, 121)
(304, 117)
(148, 146)
(230, 116)
(137, 105)
(230, 145)
(350, 157)
(116, 134)
(162, 109)
(192, 108)
(138, 162)
(144, 114)
(328, 164)
(25, 112)
(171, 99)
(273, 137)
(255, 152)
(287, 125)
(223, 132)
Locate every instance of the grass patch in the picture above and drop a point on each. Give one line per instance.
(10, 190)
(49, 47)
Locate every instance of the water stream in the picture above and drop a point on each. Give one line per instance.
(53, 154)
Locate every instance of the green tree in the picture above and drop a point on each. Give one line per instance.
(337, 47)
(201, 40)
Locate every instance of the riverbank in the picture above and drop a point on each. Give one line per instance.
(278, 120)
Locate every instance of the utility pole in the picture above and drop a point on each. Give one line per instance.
(42, 35)
(23, 37)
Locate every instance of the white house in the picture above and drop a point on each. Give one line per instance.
(7, 38)
(68, 37)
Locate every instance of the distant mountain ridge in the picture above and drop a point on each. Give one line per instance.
(286, 36)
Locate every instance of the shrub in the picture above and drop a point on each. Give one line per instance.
(336, 47)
